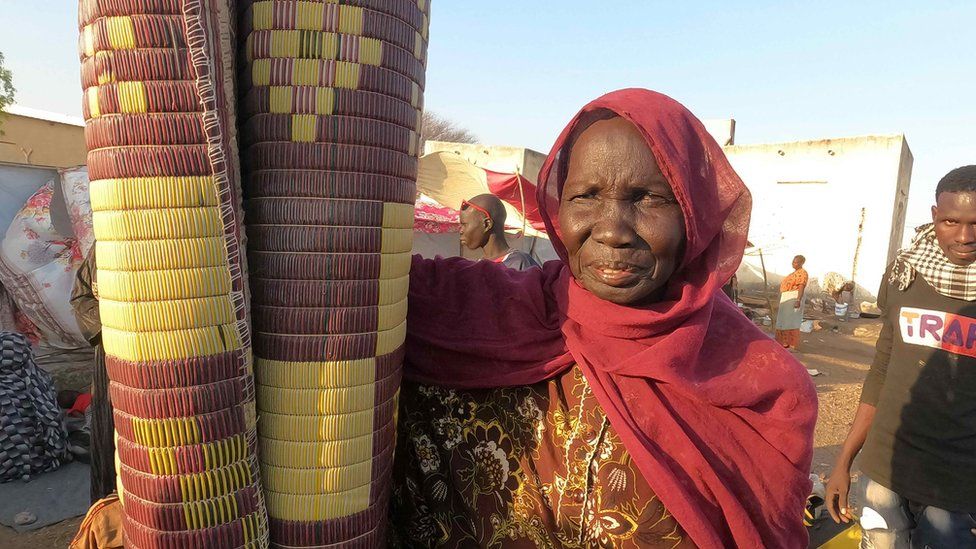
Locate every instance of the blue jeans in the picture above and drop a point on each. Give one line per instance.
(890, 521)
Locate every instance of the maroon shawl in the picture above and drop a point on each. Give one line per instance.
(717, 416)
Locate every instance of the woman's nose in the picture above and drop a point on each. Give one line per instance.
(614, 226)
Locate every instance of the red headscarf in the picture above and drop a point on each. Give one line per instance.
(716, 415)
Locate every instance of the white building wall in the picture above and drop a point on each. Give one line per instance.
(808, 197)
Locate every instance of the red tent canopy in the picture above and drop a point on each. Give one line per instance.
(519, 192)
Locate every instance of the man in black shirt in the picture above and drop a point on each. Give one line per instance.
(483, 226)
(916, 422)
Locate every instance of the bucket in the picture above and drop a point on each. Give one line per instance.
(840, 309)
(806, 326)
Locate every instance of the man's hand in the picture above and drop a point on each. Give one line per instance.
(838, 486)
(797, 304)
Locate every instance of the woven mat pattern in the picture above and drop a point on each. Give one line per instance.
(160, 105)
(331, 99)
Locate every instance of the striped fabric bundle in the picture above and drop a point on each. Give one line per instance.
(172, 286)
(331, 100)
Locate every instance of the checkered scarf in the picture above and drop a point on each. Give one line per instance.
(926, 258)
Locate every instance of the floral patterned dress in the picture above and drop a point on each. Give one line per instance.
(534, 466)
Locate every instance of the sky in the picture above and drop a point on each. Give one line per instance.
(514, 72)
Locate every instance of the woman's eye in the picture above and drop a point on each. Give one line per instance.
(656, 199)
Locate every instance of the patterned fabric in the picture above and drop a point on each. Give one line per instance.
(927, 259)
(101, 527)
(788, 338)
(432, 217)
(37, 267)
(33, 438)
(74, 184)
(795, 281)
(533, 466)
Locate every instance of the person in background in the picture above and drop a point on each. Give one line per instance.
(844, 298)
(915, 428)
(790, 313)
(483, 226)
(84, 301)
(731, 289)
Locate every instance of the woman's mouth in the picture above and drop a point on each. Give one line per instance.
(617, 275)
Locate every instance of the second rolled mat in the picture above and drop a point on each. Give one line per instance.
(331, 98)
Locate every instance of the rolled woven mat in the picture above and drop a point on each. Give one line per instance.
(333, 184)
(136, 66)
(328, 293)
(331, 74)
(91, 10)
(132, 129)
(367, 240)
(310, 128)
(160, 109)
(331, 93)
(140, 97)
(302, 156)
(350, 19)
(325, 101)
(307, 44)
(415, 13)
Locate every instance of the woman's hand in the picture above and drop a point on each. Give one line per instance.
(797, 304)
(838, 487)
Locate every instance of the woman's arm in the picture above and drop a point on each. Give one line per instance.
(799, 297)
(469, 323)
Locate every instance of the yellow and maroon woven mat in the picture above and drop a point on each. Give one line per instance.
(160, 106)
(331, 99)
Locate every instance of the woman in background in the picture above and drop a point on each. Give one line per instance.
(790, 314)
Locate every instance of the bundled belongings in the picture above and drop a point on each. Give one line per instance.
(33, 439)
(102, 526)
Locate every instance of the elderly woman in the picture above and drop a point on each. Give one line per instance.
(615, 398)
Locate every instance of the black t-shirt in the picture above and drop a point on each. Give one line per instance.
(922, 443)
(519, 261)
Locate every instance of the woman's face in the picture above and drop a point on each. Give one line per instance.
(621, 225)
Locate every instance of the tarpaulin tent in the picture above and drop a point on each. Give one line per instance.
(445, 179)
(448, 179)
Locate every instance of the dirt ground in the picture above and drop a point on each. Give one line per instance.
(843, 359)
(55, 536)
(842, 356)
